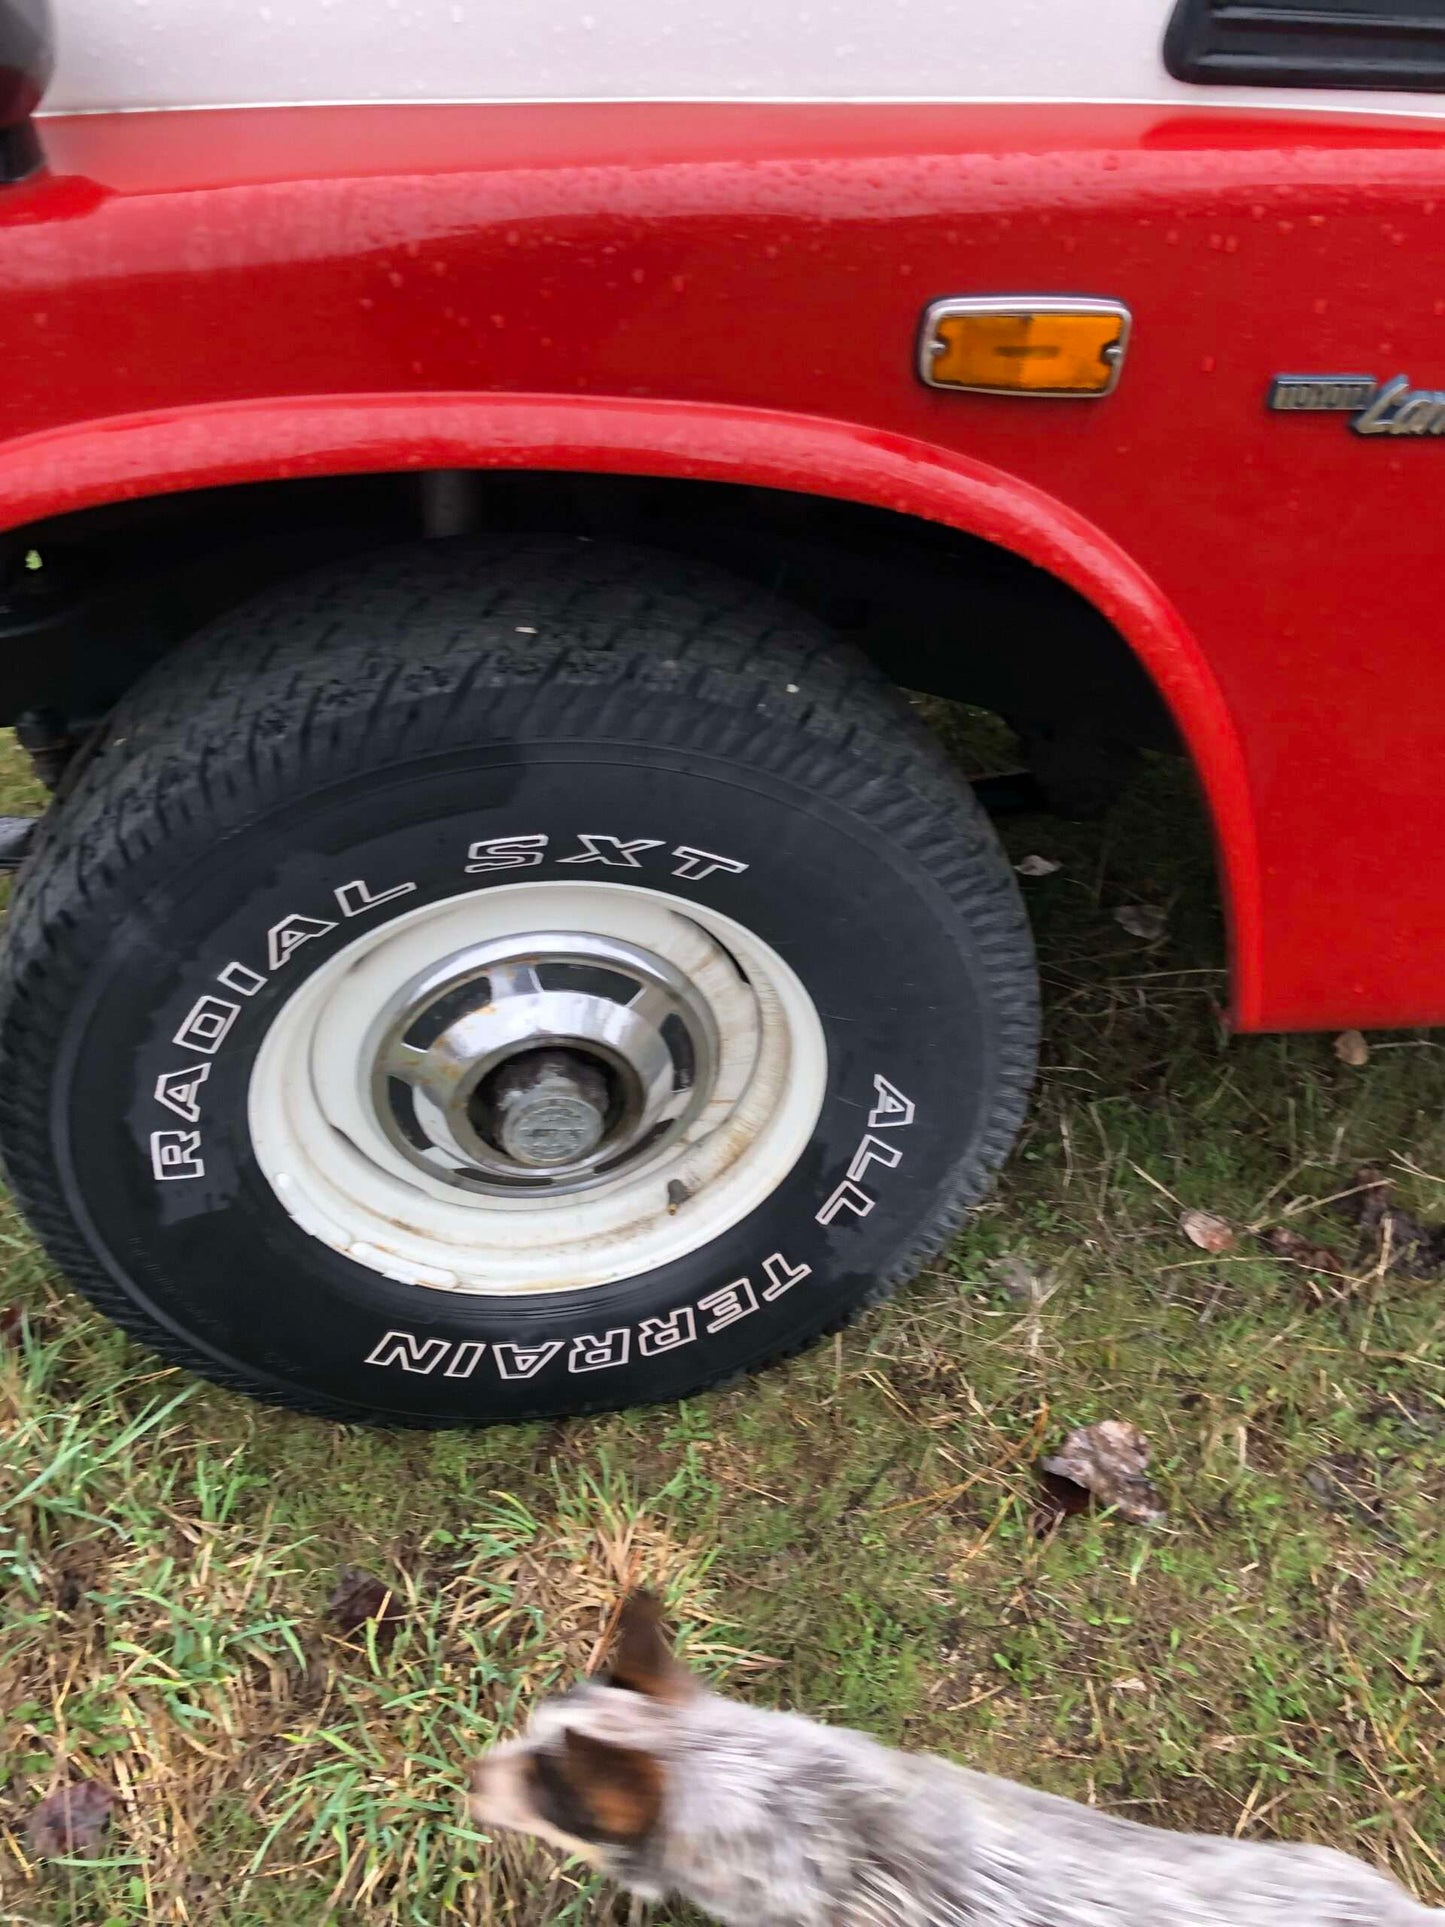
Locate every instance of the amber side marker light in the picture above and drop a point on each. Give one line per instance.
(1040, 345)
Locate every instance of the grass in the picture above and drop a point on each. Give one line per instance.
(855, 1533)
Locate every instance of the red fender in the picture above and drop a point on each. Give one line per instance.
(83, 465)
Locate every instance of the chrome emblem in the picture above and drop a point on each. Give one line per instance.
(1374, 407)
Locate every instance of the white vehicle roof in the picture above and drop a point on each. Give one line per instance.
(133, 54)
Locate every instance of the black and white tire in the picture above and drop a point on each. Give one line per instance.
(246, 984)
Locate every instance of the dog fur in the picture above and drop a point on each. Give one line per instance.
(769, 1819)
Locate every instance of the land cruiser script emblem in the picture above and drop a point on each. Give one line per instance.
(1374, 407)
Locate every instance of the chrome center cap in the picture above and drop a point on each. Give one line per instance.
(547, 1060)
(550, 1107)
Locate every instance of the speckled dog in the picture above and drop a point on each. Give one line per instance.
(770, 1820)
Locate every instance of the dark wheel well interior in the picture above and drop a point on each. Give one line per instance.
(90, 600)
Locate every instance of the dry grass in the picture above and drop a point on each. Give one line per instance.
(855, 1533)
(167, 1637)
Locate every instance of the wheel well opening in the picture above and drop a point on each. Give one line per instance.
(90, 600)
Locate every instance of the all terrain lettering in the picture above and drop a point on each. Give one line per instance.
(599, 1351)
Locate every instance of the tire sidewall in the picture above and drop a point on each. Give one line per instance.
(189, 1229)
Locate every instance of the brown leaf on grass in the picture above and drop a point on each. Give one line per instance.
(1297, 1249)
(1351, 1049)
(1144, 920)
(1202, 1228)
(70, 1820)
(1108, 1464)
(359, 1596)
(1392, 1235)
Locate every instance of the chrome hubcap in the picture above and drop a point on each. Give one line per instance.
(549, 1061)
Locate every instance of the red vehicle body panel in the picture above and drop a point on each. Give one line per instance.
(734, 292)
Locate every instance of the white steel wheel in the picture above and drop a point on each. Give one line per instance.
(538, 1088)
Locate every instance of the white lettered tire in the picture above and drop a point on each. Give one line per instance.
(508, 978)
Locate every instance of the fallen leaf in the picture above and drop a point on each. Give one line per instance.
(1037, 866)
(1144, 920)
(1351, 1049)
(360, 1596)
(1108, 1463)
(1130, 1685)
(1297, 1249)
(72, 1819)
(1202, 1228)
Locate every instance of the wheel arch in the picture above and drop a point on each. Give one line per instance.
(123, 459)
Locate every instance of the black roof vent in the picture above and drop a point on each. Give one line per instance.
(1384, 44)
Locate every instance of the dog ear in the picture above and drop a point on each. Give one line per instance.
(642, 1660)
(599, 1792)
